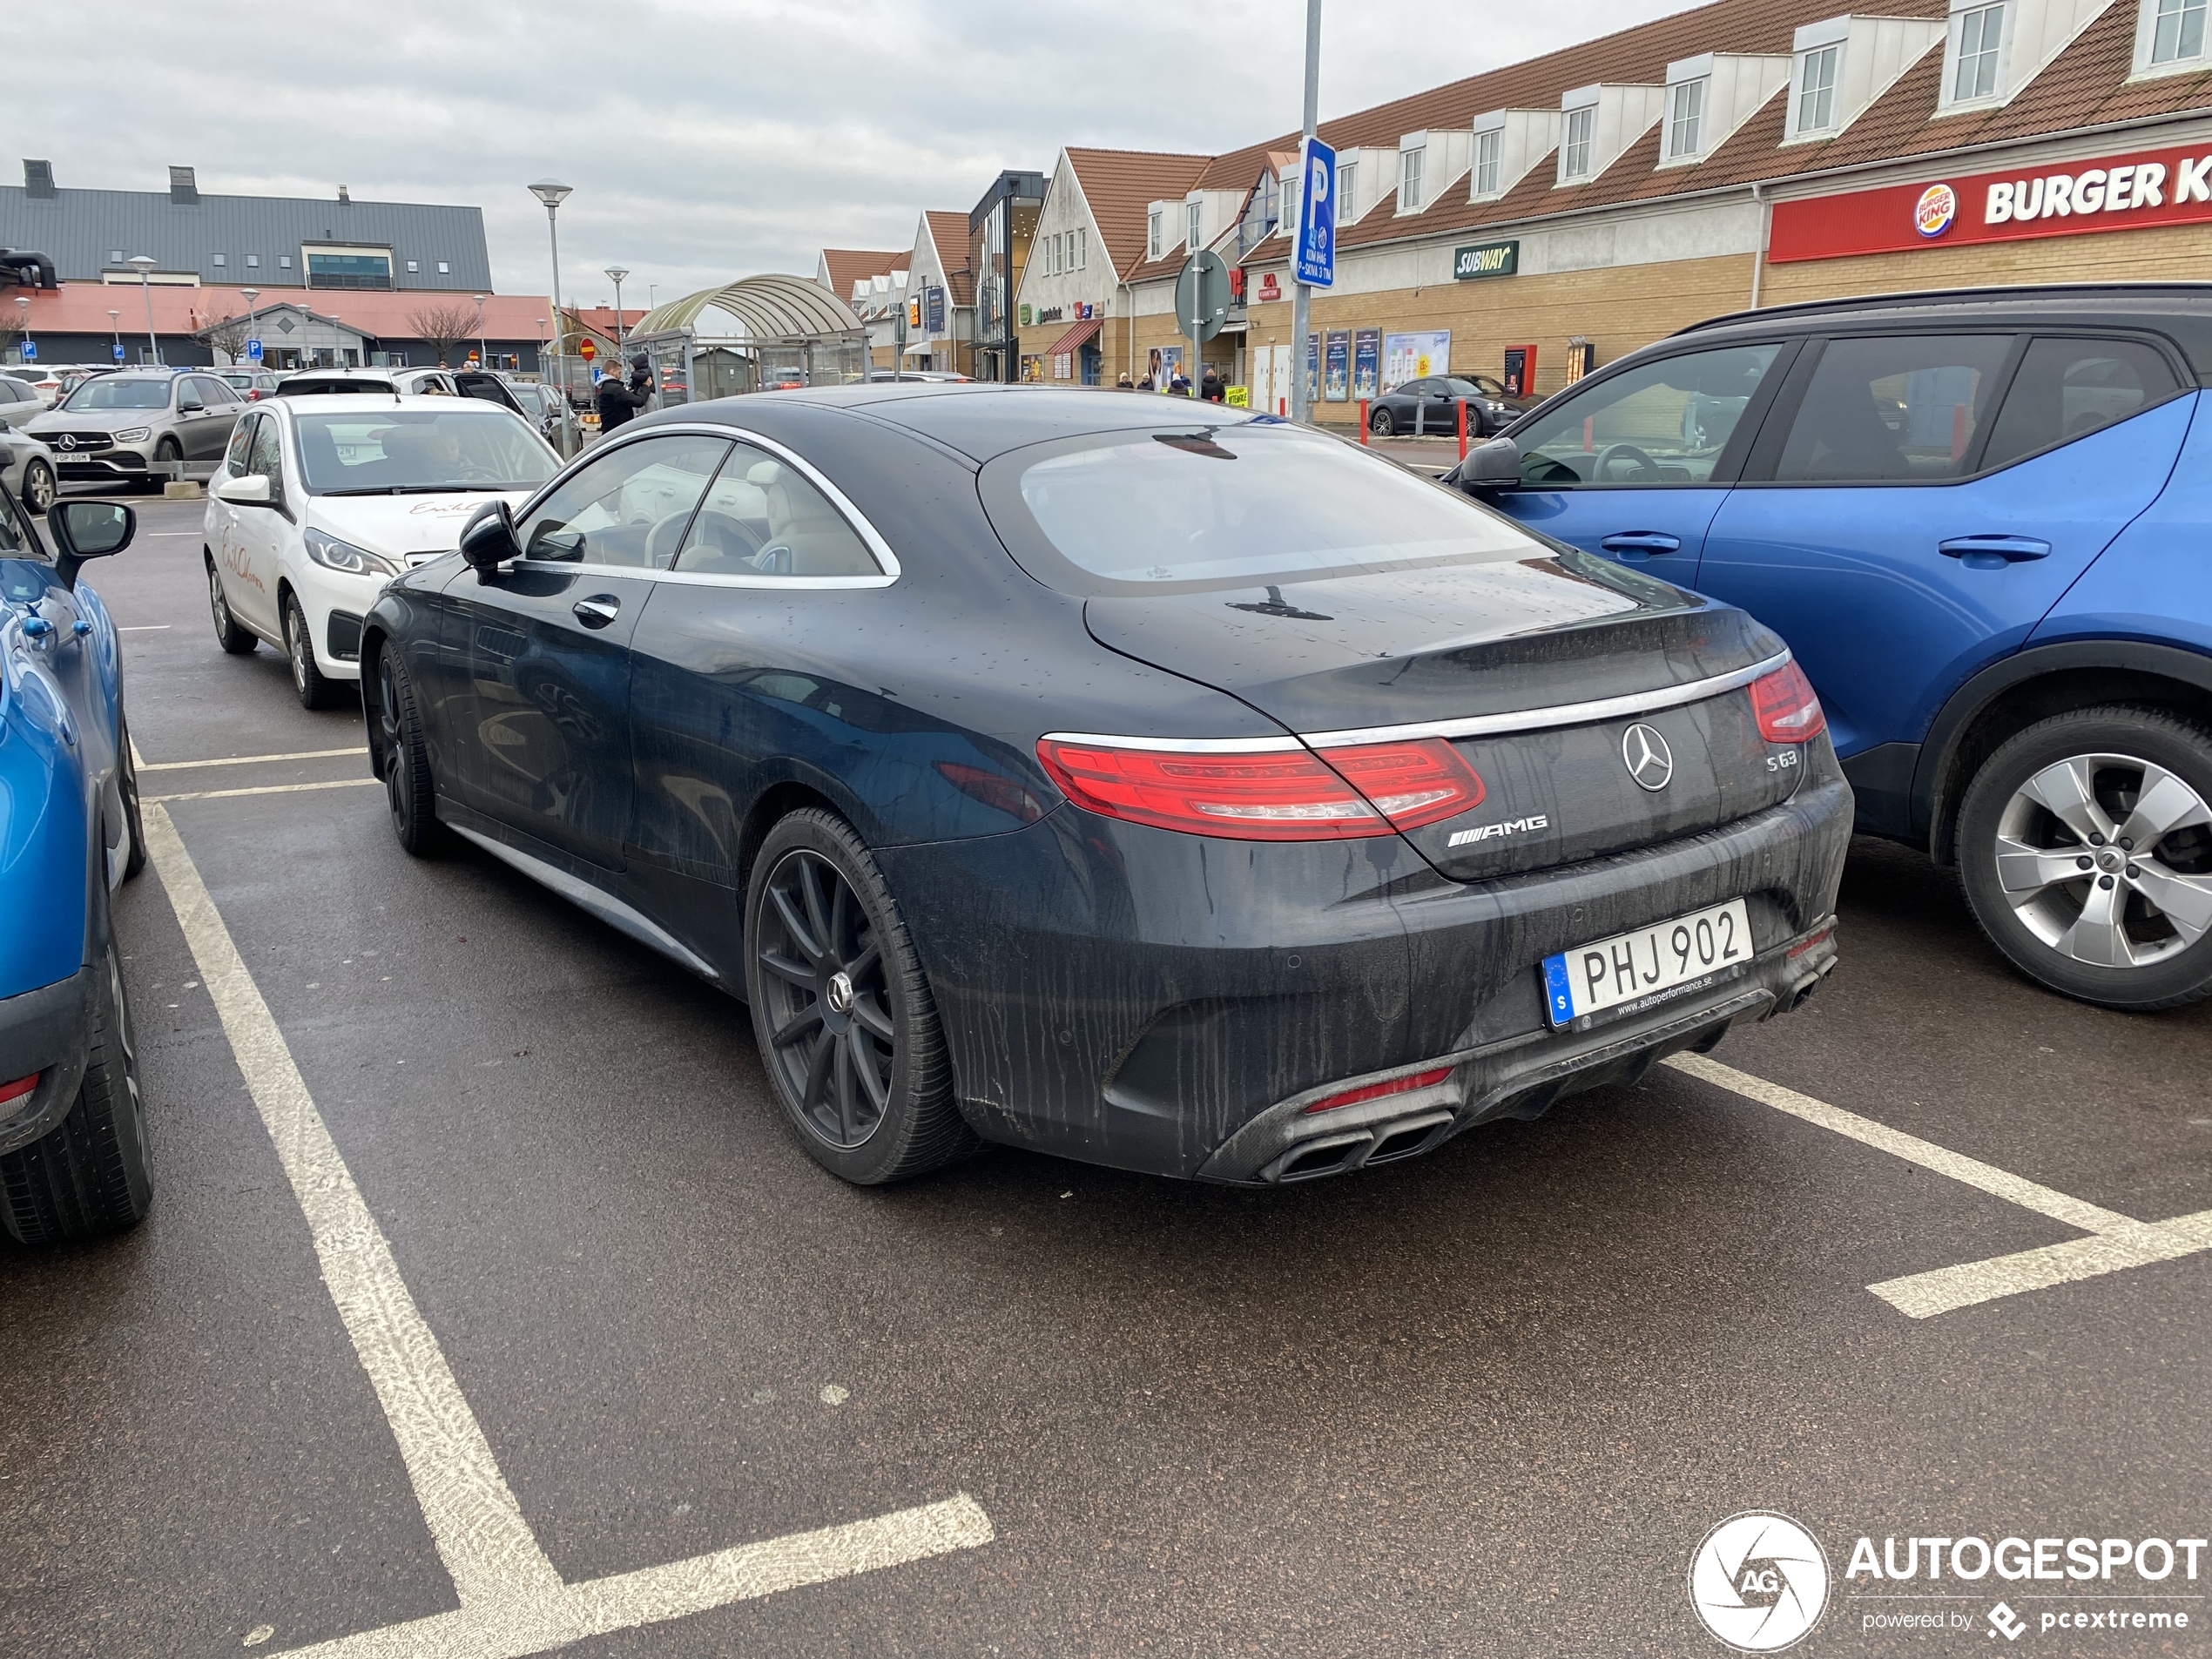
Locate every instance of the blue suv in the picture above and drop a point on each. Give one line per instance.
(1983, 520)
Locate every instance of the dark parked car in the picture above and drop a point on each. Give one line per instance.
(72, 1128)
(1169, 787)
(1431, 405)
(1979, 520)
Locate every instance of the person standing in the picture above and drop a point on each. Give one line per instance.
(616, 403)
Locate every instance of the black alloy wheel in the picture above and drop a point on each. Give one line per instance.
(408, 789)
(1382, 423)
(229, 634)
(847, 1030)
(40, 486)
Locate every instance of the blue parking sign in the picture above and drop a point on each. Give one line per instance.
(31, 351)
(253, 351)
(1316, 264)
(118, 354)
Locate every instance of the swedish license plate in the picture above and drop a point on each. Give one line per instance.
(1643, 965)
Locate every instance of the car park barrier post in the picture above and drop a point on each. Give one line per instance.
(1463, 427)
(1363, 421)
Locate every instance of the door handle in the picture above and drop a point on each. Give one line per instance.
(598, 610)
(1639, 544)
(1993, 552)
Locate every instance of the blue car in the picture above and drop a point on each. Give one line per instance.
(1980, 519)
(72, 1128)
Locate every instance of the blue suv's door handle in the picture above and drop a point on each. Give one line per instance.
(1993, 552)
(1639, 544)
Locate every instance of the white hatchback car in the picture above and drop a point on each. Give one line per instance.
(319, 501)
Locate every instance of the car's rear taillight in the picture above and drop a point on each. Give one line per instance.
(1377, 1091)
(1272, 794)
(1785, 706)
(18, 1089)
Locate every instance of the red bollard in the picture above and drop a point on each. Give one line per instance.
(1282, 407)
(1363, 420)
(1463, 429)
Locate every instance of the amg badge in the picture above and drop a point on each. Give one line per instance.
(1509, 827)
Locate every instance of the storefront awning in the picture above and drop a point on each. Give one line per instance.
(1081, 336)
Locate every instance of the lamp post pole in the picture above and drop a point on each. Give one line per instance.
(115, 328)
(552, 192)
(23, 321)
(483, 345)
(615, 275)
(251, 295)
(1302, 295)
(143, 263)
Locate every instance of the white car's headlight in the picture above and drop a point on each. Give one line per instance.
(334, 555)
(134, 435)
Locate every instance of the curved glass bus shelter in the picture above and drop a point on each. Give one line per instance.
(757, 333)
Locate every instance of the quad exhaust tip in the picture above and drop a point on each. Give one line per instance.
(1385, 1142)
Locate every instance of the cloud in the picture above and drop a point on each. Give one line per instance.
(710, 138)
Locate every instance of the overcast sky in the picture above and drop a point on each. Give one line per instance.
(708, 139)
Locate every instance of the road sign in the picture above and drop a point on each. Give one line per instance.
(31, 351)
(1316, 264)
(118, 354)
(252, 351)
(1201, 296)
(587, 351)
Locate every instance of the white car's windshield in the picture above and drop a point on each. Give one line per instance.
(120, 392)
(394, 452)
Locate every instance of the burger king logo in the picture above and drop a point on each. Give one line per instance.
(1937, 207)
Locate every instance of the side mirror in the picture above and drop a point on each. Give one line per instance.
(1494, 465)
(87, 529)
(487, 541)
(251, 490)
(189, 405)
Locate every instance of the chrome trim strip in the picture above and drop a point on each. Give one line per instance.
(585, 897)
(1605, 708)
(700, 578)
(1180, 745)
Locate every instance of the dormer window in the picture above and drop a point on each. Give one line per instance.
(1155, 226)
(1409, 179)
(1195, 214)
(1489, 155)
(1347, 189)
(1973, 75)
(1816, 73)
(1685, 118)
(2169, 37)
(1575, 146)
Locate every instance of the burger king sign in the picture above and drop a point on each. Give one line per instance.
(1937, 207)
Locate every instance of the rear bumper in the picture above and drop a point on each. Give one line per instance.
(1170, 1003)
(46, 1031)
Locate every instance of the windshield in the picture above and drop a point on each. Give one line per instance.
(387, 451)
(120, 392)
(1231, 505)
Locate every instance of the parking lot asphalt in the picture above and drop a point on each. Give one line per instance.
(1487, 1402)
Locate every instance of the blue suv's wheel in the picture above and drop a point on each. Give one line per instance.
(2085, 844)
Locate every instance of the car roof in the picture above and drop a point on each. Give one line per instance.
(981, 420)
(2181, 311)
(355, 403)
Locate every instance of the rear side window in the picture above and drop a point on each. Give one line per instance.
(1664, 423)
(1898, 410)
(763, 518)
(2067, 388)
(630, 506)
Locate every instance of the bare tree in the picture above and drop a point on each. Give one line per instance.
(228, 335)
(442, 327)
(12, 325)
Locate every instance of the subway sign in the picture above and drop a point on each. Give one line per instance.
(1486, 259)
(2135, 190)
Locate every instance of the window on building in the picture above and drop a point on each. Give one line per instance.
(115, 256)
(254, 261)
(1489, 152)
(1348, 189)
(2177, 32)
(1409, 178)
(284, 262)
(444, 269)
(1575, 154)
(1686, 118)
(1976, 74)
(414, 267)
(1079, 238)
(1816, 88)
(1195, 211)
(1153, 228)
(218, 261)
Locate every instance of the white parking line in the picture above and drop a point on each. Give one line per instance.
(267, 789)
(246, 760)
(2114, 1242)
(513, 1602)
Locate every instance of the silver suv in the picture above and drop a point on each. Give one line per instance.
(141, 427)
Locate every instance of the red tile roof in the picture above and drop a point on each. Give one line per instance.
(847, 266)
(949, 231)
(1120, 184)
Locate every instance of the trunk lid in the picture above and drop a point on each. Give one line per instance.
(1433, 646)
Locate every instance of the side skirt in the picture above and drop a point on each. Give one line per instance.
(609, 909)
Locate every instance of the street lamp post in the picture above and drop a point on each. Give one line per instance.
(143, 264)
(115, 328)
(483, 345)
(552, 192)
(23, 321)
(615, 275)
(252, 294)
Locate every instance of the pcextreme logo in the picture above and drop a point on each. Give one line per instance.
(1759, 1582)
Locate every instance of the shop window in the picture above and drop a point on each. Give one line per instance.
(1685, 118)
(1974, 71)
(1574, 151)
(1667, 422)
(1409, 179)
(1154, 227)
(2173, 32)
(1489, 154)
(1816, 88)
(1903, 409)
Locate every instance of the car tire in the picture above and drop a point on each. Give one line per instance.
(168, 453)
(1382, 423)
(847, 1029)
(89, 1174)
(229, 634)
(409, 790)
(40, 486)
(315, 689)
(126, 765)
(2077, 902)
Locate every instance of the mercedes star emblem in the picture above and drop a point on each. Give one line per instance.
(67, 441)
(1647, 757)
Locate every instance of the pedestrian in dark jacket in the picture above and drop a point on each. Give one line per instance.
(617, 404)
(1211, 388)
